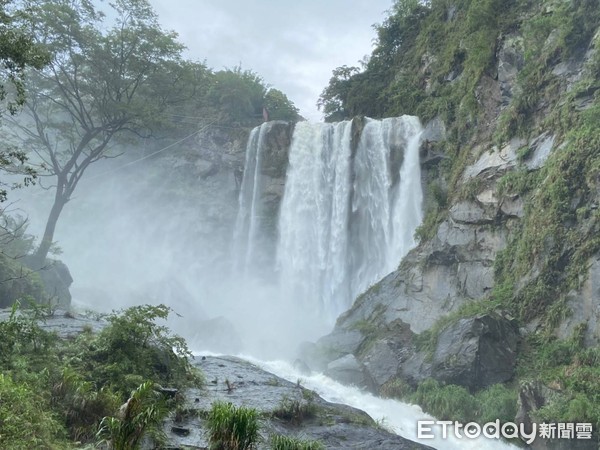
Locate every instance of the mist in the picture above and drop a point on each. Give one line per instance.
(161, 230)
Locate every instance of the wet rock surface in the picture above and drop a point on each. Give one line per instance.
(349, 371)
(65, 324)
(476, 352)
(237, 381)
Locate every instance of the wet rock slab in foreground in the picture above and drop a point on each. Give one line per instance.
(242, 383)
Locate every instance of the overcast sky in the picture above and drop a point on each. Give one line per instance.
(292, 45)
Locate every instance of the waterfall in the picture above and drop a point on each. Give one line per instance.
(347, 220)
(312, 252)
(386, 202)
(246, 231)
(348, 213)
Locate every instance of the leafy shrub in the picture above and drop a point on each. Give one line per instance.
(576, 369)
(78, 382)
(232, 428)
(21, 334)
(134, 348)
(281, 442)
(568, 408)
(26, 421)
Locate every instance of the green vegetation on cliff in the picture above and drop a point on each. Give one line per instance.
(443, 58)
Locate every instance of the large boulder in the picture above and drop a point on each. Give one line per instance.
(348, 370)
(56, 279)
(476, 352)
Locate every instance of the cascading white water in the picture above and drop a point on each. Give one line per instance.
(401, 418)
(313, 225)
(347, 220)
(246, 228)
(386, 202)
(347, 217)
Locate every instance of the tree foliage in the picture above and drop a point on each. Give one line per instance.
(334, 98)
(100, 83)
(421, 47)
(18, 51)
(279, 106)
(117, 78)
(239, 94)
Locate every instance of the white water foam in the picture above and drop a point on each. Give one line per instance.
(400, 418)
(348, 213)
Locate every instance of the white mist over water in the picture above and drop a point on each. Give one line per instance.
(159, 233)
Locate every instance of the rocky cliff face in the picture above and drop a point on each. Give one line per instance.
(445, 314)
(434, 280)
(219, 159)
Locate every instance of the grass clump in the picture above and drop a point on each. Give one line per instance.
(232, 428)
(451, 402)
(282, 442)
(572, 370)
(296, 410)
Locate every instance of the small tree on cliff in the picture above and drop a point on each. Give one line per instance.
(101, 83)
